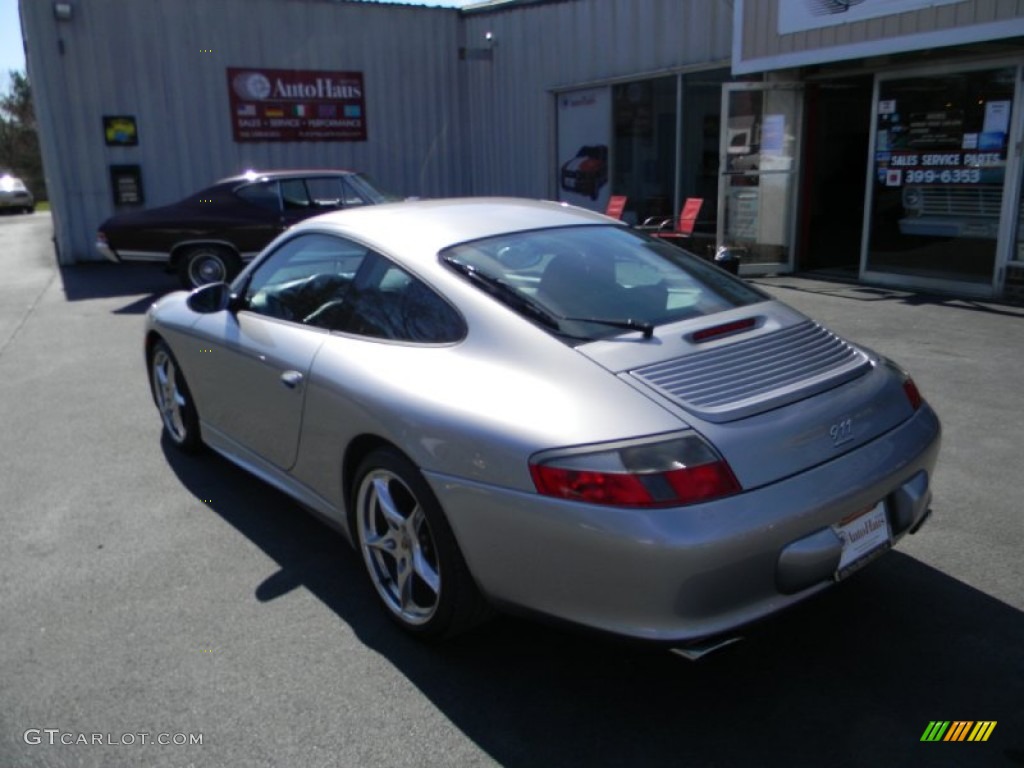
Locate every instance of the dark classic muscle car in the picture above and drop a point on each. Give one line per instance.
(207, 237)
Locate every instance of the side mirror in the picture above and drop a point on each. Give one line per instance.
(210, 298)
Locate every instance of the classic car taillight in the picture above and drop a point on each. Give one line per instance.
(681, 470)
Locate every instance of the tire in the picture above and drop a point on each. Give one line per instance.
(409, 551)
(202, 264)
(173, 399)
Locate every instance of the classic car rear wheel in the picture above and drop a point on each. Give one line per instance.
(409, 550)
(202, 264)
(173, 399)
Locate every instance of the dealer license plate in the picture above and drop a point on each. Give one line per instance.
(864, 538)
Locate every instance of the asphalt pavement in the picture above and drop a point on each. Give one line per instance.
(151, 597)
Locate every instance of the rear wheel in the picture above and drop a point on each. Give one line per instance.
(202, 264)
(409, 550)
(173, 399)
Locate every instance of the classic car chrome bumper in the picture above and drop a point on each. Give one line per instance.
(106, 251)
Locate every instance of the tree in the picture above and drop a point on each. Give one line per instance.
(19, 140)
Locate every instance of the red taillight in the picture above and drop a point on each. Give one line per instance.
(680, 471)
(913, 394)
(595, 487)
(708, 481)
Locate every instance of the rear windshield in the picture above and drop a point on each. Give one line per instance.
(593, 282)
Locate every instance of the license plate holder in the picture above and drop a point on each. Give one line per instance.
(864, 537)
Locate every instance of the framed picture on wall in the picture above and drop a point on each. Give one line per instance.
(120, 131)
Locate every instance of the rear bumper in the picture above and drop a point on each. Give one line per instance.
(687, 573)
(17, 202)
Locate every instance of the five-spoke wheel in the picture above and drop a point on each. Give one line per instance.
(173, 399)
(409, 550)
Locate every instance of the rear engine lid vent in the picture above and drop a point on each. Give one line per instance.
(754, 375)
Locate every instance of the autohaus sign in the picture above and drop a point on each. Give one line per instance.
(296, 105)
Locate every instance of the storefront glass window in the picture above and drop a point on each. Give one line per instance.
(644, 146)
(940, 161)
(701, 110)
(1013, 287)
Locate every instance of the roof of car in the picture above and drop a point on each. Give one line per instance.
(289, 174)
(429, 226)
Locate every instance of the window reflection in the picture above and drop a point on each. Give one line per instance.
(940, 164)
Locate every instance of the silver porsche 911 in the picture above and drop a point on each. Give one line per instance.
(519, 404)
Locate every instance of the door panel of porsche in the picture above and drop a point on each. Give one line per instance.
(262, 354)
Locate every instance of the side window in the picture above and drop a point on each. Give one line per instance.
(294, 195)
(265, 195)
(306, 280)
(389, 303)
(325, 192)
(351, 196)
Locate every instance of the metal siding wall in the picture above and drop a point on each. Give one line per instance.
(761, 39)
(538, 48)
(142, 58)
(437, 125)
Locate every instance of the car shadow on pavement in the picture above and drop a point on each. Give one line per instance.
(852, 677)
(868, 293)
(98, 280)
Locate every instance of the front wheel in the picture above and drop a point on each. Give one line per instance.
(409, 550)
(173, 399)
(204, 264)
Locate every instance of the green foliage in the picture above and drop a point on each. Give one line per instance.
(19, 141)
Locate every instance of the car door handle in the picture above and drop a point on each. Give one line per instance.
(291, 379)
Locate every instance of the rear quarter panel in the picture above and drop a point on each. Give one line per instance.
(476, 410)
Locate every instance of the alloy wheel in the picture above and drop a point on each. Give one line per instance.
(170, 400)
(398, 546)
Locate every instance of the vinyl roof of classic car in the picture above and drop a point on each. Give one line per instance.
(429, 226)
(254, 175)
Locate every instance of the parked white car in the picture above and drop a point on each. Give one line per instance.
(15, 195)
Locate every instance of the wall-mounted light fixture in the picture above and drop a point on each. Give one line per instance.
(483, 53)
(62, 11)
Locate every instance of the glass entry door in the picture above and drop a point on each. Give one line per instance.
(759, 150)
